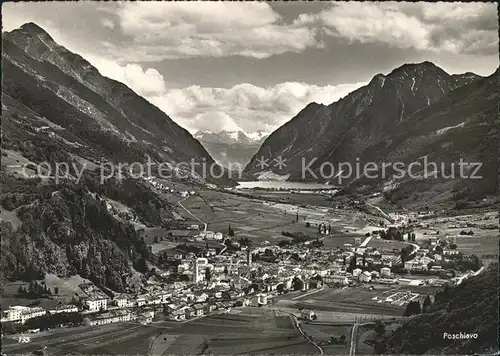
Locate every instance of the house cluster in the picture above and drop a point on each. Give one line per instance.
(163, 187)
(19, 314)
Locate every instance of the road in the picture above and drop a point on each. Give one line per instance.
(297, 325)
(354, 340)
(308, 293)
(194, 216)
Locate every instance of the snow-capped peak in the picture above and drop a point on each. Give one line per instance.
(243, 137)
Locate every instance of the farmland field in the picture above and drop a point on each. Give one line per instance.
(263, 222)
(246, 330)
(348, 304)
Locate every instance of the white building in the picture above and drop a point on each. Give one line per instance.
(385, 272)
(365, 276)
(218, 236)
(356, 272)
(122, 301)
(200, 265)
(307, 315)
(96, 304)
(20, 314)
(116, 316)
(337, 279)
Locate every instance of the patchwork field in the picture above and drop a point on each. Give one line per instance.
(322, 334)
(247, 330)
(263, 222)
(351, 303)
(386, 245)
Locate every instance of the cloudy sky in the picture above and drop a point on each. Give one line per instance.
(253, 66)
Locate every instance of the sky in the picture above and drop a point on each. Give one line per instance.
(254, 65)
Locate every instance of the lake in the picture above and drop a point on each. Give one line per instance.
(282, 185)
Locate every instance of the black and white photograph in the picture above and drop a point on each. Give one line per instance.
(249, 178)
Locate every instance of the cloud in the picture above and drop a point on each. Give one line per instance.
(244, 106)
(108, 23)
(156, 31)
(449, 27)
(145, 82)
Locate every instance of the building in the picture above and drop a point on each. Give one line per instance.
(356, 272)
(19, 314)
(385, 272)
(365, 277)
(200, 265)
(218, 236)
(308, 315)
(115, 316)
(336, 279)
(146, 317)
(121, 301)
(64, 309)
(199, 310)
(179, 314)
(97, 304)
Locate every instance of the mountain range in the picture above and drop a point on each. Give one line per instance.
(58, 109)
(231, 149)
(104, 118)
(414, 111)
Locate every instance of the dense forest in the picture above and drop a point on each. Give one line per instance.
(66, 230)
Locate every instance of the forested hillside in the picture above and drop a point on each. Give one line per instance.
(469, 308)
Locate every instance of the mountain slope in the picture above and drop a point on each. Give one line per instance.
(58, 110)
(463, 125)
(341, 131)
(470, 308)
(101, 112)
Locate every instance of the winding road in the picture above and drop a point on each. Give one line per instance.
(190, 213)
(297, 325)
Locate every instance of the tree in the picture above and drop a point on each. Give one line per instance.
(230, 231)
(427, 304)
(208, 274)
(297, 284)
(413, 308)
(184, 278)
(56, 290)
(141, 265)
(280, 288)
(21, 291)
(155, 239)
(352, 264)
(379, 328)
(308, 224)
